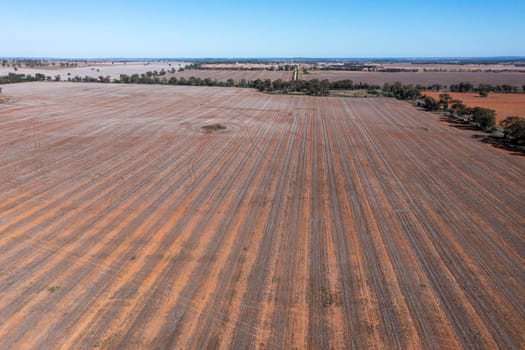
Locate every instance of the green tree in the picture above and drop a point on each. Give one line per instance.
(324, 87)
(124, 78)
(436, 87)
(457, 107)
(485, 118)
(509, 88)
(514, 128)
(430, 104)
(444, 100)
(134, 79)
(268, 86)
(278, 84)
(243, 83)
(483, 93)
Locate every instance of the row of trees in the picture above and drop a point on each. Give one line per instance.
(25, 63)
(18, 78)
(32, 63)
(483, 118)
(468, 87)
(310, 87)
(273, 67)
(402, 92)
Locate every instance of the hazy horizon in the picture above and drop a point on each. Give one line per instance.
(316, 59)
(273, 29)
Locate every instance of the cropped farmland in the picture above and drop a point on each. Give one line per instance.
(237, 75)
(307, 222)
(95, 70)
(423, 78)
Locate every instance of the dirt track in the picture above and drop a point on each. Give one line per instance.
(308, 223)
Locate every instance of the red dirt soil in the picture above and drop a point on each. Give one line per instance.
(504, 104)
(309, 222)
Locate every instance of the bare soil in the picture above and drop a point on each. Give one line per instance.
(422, 78)
(310, 222)
(224, 74)
(96, 70)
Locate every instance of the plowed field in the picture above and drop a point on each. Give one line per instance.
(236, 75)
(424, 78)
(308, 222)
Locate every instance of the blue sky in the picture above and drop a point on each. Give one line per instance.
(330, 28)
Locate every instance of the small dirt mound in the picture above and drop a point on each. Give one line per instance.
(213, 127)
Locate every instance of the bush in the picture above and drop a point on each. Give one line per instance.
(485, 118)
(430, 104)
(483, 93)
(514, 128)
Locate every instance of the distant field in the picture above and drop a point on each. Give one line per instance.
(236, 75)
(115, 70)
(423, 78)
(237, 65)
(130, 218)
(504, 104)
(95, 70)
(498, 67)
(452, 67)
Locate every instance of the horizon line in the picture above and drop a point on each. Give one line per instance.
(266, 58)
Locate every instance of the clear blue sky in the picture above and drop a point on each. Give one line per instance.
(270, 28)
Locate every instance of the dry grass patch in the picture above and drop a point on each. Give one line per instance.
(213, 127)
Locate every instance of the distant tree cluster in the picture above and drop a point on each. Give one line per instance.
(402, 92)
(398, 70)
(483, 88)
(19, 78)
(24, 63)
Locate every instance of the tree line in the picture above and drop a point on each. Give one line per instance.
(468, 87)
(482, 118)
(19, 78)
(270, 67)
